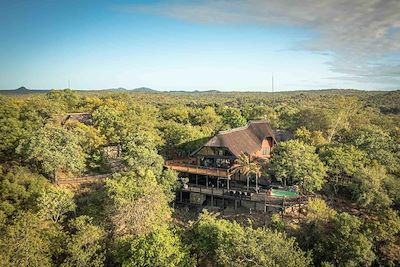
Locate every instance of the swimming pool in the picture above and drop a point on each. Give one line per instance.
(283, 193)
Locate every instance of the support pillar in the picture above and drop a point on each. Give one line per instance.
(207, 181)
(227, 183)
(197, 179)
(212, 200)
(235, 204)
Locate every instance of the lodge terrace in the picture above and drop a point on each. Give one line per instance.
(211, 177)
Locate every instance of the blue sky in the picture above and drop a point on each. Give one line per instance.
(201, 45)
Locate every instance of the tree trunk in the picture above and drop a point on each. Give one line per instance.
(257, 183)
(55, 177)
(248, 181)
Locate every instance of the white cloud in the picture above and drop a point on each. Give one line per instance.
(360, 34)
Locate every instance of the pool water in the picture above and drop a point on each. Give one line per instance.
(283, 193)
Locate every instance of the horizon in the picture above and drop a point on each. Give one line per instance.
(229, 46)
(154, 90)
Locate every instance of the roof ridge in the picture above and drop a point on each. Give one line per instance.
(234, 129)
(242, 127)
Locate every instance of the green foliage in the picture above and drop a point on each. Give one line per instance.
(229, 244)
(160, 248)
(314, 138)
(343, 161)
(277, 222)
(55, 149)
(54, 203)
(294, 162)
(377, 144)
(10, 126)
(355, 134)
(19, 190)
(182, 139)
(232, 118)
(140, 153)
(90, 140)
(384, 231)
(179, 114)
(25, 242)
(117, 120)
(137, 203)
(336, 238)
(85, 245)
(319, 211)
(66, 98)
(205, 117)
(368, 188)
(168, 181)
(349, 246)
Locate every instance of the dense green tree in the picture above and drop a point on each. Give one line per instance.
(139, 153)
(11, 128)
(182, 139)
(111, 120)
(179, 114)
(19, 190)
(232, 118)
(55, 150)
(85, 245)
(348, 245)
(54, 203)
(117, 119)
(90, 140)
(228, 244)
(67, 99)
(168, 181)
(384, 231)
(25, 242)
(137, 203)
(294, 162)
(377, 144)
(368, 188)
(287, 117)
(335, 238)
(205, 117)
(313, 119)
(314, 138)
(343, 161)
(160, 248)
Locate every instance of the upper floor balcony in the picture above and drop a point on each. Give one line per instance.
(187, 165)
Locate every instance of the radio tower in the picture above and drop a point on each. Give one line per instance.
(272, 82)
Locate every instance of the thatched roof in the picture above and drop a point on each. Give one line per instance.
(83, 117)
(246, 139)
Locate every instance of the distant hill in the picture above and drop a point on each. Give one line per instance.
(23, 91)
(196, 91)
(144, 90)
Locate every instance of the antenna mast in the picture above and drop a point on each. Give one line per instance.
(272, 82)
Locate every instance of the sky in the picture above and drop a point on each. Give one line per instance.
(200, 45)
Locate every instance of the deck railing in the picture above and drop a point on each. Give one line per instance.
(184, 166)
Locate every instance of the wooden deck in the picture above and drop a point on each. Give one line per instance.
(183, 166)
(84, 180)
(250, 196)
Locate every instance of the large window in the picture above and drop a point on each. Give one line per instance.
(266, 151)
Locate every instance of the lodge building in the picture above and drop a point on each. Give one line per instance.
(210, 169)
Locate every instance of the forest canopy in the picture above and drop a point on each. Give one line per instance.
(343, 151)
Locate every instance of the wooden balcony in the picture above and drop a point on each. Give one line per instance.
(187, 166)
